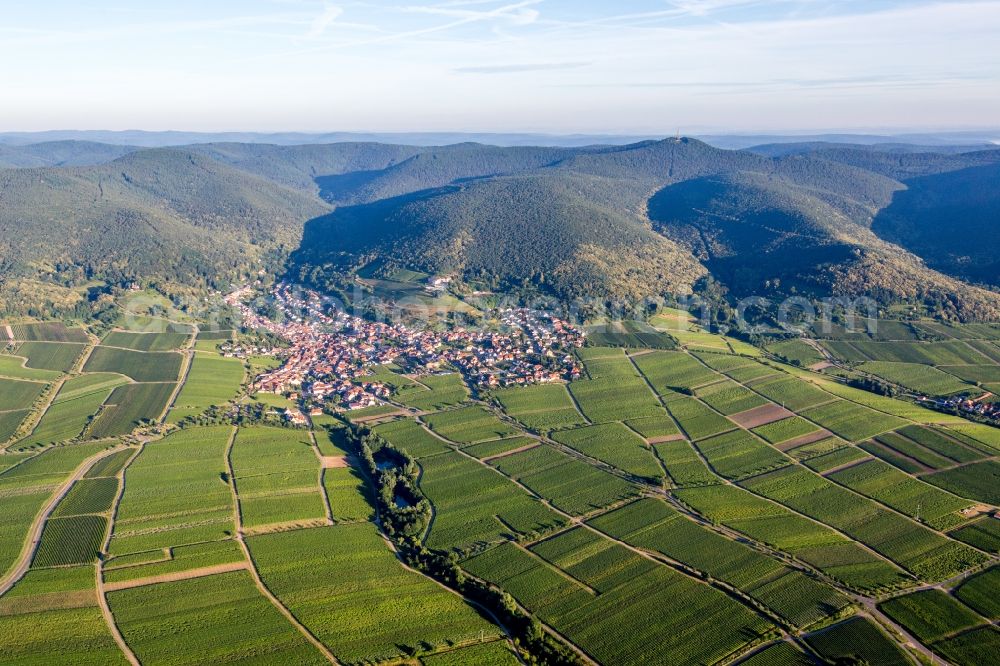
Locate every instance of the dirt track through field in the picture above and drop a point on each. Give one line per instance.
(35, 531)
(177, 576)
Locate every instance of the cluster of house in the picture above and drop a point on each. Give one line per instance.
(332, 354)
(980, 406)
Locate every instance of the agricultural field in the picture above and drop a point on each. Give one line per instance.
(655, 526)
(683, 464)
(468, 425)
(174, 560)
(435, 392)
(791, 393)
(346, 586)
(51, 616)
(919, 378)
(176, 492)
(154, 342)
(636, 612)
(796, 352)
(494, 653)
(540, 407)
(277, 476)
(738, 454)
(614, 444)
(349, 494)
(14, 367)
(672, 371)
(208, 620)
(851, 421)
(571, 485)
(783, 430)
(211, 380)
(55, 356)
(654, 427)
(140, 366)
(857, 640)
(130, 406)
(728, 397)
(473, 504)
(917, 549)
(52, 331)
(930, 615)
(76, 403)
(885, 484)
(10, 422)
(807, 540)
(983, 534)
(411, 436)
(74, 540)
(980, 593)
(978, 481)
(615, 398)
(16, 394)
(696, 419)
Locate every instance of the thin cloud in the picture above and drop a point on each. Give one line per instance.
(319, 25)
(520, 67)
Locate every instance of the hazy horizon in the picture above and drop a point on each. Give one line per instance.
(643, 67)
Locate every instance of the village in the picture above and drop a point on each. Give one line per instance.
(332, 355)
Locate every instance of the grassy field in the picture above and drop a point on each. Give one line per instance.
(140, 366)
(208, 620)
(277, 476)
(128, 407)
(212, 380)
(176, 493)
(345, 585)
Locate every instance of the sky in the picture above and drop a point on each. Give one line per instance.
(558, 66)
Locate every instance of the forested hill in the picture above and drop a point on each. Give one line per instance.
(60, 153)
(169, 217)
(798, 223)
(622, 221)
